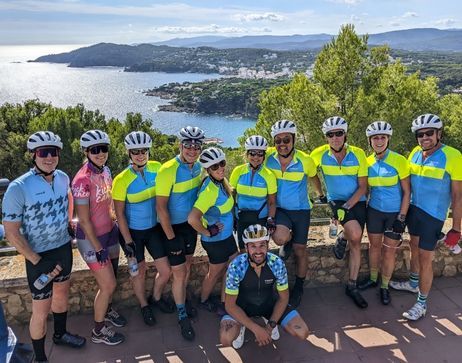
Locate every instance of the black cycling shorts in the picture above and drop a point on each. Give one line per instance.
(298, 221)
(356, 213)
(243, 222)
(61, 255)
(188, 236)
(220, 251)
(378, 222)
(266, 311)
(424, 226)
(150, 238)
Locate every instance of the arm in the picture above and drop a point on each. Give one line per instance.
(271, 200)
(164, 216)
(17, 240)
(83, 213)
(281, 305)
(71, 204)
(119, 208)
(362, 190)
(405, 200)
(317, 185)
(194, 219)
(456, 197)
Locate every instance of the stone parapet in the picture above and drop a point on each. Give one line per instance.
(323, 269)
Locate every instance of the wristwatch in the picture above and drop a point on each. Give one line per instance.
(272, 324)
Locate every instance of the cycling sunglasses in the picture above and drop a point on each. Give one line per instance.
(139, 151)
(286, 140)
(221, 164)
(189, 145)
(256, 153)
(44, 152)
(331, 134)
(428, 133)
(95, 150)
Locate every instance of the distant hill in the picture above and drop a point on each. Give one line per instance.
(418, 39)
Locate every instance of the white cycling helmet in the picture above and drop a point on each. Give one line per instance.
(211, 156)
(94, 137)
(283, 126)
(334, 123)
(426, 121)
(379, 128)
(256, 142)
(191, 133)
(137, 140)
(255, 233)
(43, 138)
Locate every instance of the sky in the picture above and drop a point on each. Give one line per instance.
(88, 22)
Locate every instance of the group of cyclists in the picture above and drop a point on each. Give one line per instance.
(163, 207)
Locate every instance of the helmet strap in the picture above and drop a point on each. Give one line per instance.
(99, 169)
(42, 172)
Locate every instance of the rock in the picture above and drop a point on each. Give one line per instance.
(450, 270)
(327, 262)
(14, 305)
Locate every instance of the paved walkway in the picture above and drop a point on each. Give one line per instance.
(340, 332)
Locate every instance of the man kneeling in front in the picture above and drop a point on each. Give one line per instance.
(257, 286)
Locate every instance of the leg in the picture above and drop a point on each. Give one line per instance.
(179, 283)
(353, 233)
(375, 251)
(281, 235)
(107, 283)
(162, 276)
(139, 284)
(388, 261)
(211, 279)
(426, 270)
(229, 331)
(297, 327)
(38, 326)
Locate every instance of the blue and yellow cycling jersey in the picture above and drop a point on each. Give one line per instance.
(431, 179)
(384, 179)
(252, 189)
(216, 206)
(341, 179)
(180, 183)
(254, 289)
(138, 192)
(41, 207)
(292, 184)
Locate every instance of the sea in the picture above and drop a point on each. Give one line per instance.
(108, 89)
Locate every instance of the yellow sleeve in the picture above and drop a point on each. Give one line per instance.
(404, 169)
(363, 166)
(309, 166)
(271, 182)
(454, 165)
(164, 180)
(233, 179)
(316, 155)
(206, 199)
(119, 188)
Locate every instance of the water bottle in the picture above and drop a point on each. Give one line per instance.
(132, 266)
(455, 249)
(42, 281)
(333, 229)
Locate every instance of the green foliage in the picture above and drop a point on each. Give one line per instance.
(18, 121)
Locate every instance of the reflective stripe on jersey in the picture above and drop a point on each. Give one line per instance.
(41, 207)
(292, 184)
(138, 192)
(93, 188)
(341, 179)
(180, 183)
(251, 288)
(216, 206)
(384, 179)
(431, 179)
(252, 189)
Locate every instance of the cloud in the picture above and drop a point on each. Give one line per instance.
(395, 23)
(409, 14)
(445, 22)
(209, 29)
(258, 17)
(346, 2)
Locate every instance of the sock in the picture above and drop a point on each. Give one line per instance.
(374, 274)
(299, 282)
(181, 308)
(98, 326)
(422, 299)
(385, 281)
(39, 348)
(351, 284)
(115, 266)
(414, 279)
(60, 324)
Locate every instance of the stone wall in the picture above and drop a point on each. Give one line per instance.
(323, 269)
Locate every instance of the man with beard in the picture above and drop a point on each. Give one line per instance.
(257, 286)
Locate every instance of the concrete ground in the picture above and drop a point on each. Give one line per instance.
(340, 332)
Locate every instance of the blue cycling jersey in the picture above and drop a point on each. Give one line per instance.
(41, 207)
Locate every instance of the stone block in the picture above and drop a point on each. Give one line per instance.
(14, 305)
(450, 270)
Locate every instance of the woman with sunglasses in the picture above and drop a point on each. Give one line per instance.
(255, 187)
(133, 192)
(97, 233)
(389, 196)
(212, 217)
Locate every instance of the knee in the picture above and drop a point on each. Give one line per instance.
(225, 340)
(39, 316)
(179, 274)
(108, 287)
(281, 237)
(303, 334)
(300, 251)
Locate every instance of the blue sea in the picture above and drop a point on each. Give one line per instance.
(108, 89)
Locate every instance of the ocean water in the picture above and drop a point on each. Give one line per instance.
(108, 89)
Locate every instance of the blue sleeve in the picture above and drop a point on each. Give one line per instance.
(280, 272)
(13, 204)
(234, 275)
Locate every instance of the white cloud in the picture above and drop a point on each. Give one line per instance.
(395, 23)
(346, 2)
(409, 14)
(258, 17)
(445, 22)
(209, 29)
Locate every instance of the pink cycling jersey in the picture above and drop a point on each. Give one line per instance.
(94, 188)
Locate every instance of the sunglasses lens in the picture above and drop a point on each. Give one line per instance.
(192, 146)
(256, 153)
(99, 149)
(139, 151)
(43, 153)
(215, 167)
(428, 133)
